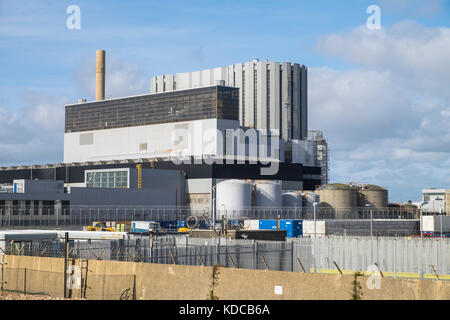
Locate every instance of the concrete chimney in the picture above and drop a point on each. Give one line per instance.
(100, 75)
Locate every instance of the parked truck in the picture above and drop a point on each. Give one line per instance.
(99, 226)
(143, 227)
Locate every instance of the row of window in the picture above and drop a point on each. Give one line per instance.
(107, 179)
(34, 207)
(175, 106)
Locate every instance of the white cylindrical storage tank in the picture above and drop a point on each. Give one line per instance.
(267, 194)
(291, 199)
(233, 198)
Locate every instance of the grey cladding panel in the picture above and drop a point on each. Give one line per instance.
(86, 138)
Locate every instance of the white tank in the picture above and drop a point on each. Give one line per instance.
(267, 194)
(291, 199)
(309, 198)
(233, 198)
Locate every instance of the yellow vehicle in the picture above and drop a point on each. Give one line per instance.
(99, 226)
(183, 229)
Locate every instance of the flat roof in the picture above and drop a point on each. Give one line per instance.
(148, 94)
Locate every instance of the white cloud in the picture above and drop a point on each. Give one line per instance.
(34, 133)
(387, 118)
(122, 79)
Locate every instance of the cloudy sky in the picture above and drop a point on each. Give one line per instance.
(381, 97)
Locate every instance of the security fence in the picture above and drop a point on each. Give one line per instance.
(78, 216)
(391, 256)
(80, 285)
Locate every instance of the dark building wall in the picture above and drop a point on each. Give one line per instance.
(75, 174)
(183, 105)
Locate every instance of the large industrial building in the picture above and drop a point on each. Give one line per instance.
(272, 95)
(182, 142)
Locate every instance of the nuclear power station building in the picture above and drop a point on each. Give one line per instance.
(272, 95)
(192, 131)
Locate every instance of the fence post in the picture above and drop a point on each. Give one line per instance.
(314, 253)
(379, 270)
(85, 279)
(218, 252)
(231, 259)
(255, 250)
(421, 257)
(265, 263)
(81, 278)
(301, 265)
(25, 281)
(435, 273)
(66, 242)
(395, 258)
(292, 256)
(200, 258)
(134, 287)
(337, 267)
(3, 269)
(171, 256)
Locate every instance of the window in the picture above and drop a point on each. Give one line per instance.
(107, 179)
(172, 106)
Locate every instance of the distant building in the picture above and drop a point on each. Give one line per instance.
(435, 200)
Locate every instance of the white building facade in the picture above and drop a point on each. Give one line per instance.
(434, 200)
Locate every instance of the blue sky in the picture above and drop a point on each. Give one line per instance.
(379, 96)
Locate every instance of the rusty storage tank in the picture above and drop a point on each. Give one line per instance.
(338, 198)
(373, 196)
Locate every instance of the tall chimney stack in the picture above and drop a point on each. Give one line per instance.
(100, 75)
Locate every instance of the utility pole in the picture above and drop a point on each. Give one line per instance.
(371, 223)
(314, 206)
(421, 221)
(66, 252)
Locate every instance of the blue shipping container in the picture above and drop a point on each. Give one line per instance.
(267, 224)
(168, 224)
(294, 228)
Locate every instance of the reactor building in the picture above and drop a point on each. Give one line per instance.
(179, 142)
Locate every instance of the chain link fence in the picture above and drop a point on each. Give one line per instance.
(81, 284)
(79, 216)
(422, 258)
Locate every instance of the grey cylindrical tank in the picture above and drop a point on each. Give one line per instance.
(309, 198)
(233, 198)
(291, 199)
(267, 194)
(374, 196)
(339, 198)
